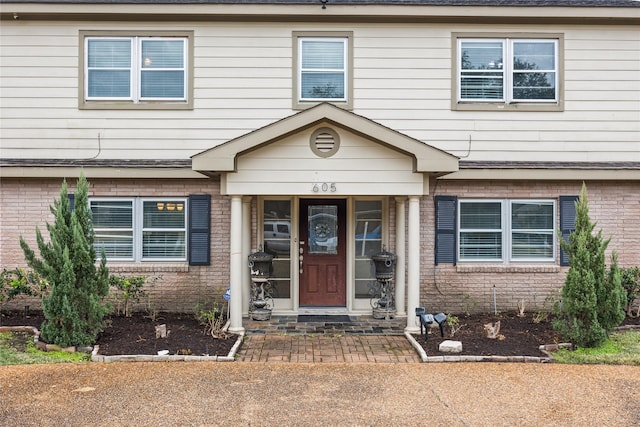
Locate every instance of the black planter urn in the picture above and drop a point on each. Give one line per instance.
(385, 264)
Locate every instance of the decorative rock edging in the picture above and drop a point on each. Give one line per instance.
(95, 357)
(42, 345)
(521, 359)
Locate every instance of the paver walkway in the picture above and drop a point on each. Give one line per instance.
(318, 349)
(361, 339)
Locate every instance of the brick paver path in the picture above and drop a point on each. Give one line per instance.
(327, 348)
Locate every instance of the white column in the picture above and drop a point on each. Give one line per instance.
(413, 263)
(400, 257)
(246, 250)
(235, 265)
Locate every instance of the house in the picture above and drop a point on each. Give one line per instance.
(454, 133)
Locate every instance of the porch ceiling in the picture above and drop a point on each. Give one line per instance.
(426, 159)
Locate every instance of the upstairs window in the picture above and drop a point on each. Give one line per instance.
(322, 66)
(510, 73)
(138, 71)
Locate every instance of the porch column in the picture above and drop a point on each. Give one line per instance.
(400, 257)
(235, 265)
(413, 263)
(246, 250)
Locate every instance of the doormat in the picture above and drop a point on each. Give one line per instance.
(340, 318)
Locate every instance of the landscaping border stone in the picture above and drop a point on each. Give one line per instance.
(461, 358)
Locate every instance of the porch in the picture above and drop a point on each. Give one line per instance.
(301, 188)
(360, 339)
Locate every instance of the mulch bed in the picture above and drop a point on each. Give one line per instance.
(137, 334)
(518, 336)
(521, 336)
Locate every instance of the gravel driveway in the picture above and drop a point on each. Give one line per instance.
(306, 394)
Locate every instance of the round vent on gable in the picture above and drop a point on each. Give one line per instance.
(325, 142)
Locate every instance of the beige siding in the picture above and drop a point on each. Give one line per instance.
(359, 167)
(243, 76)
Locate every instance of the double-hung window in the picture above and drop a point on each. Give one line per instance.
(138, 71)
(506, 230)
(509, 73)
(322, 64)
(140, 229)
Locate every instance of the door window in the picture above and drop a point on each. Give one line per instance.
(323, 229)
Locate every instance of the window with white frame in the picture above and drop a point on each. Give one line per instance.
(135, 69)
(368, 242)
(140, 229)
(506, 230)
(322, 69)
(508, 70)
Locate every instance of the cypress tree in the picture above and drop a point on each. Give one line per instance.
(612, 297)
(592, 303)
(73, 303)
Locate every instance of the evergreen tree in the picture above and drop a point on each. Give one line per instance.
(592, 299)
(73, 303)
(612, 297)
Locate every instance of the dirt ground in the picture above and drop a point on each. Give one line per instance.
(312, 394)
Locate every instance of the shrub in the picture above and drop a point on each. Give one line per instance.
(212, 319)
(129, 288)
(73, 304)
(17, 282)
(592, 298)
(630, 278)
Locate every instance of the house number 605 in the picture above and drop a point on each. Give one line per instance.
(325, 187)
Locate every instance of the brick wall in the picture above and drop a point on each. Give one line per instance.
(179, 287)
(614, 206)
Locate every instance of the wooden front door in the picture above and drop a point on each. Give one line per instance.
(323, 252)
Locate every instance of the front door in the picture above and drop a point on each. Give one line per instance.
(323, 252)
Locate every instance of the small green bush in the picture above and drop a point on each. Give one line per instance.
(16, 282)
(212, 318)
(630, 279)
(129, 288)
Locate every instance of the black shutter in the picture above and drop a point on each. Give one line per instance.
(567, 223)
(446, 207)
(72, 201)
(199, 229)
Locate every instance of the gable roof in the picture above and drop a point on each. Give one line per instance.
(427, 159)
